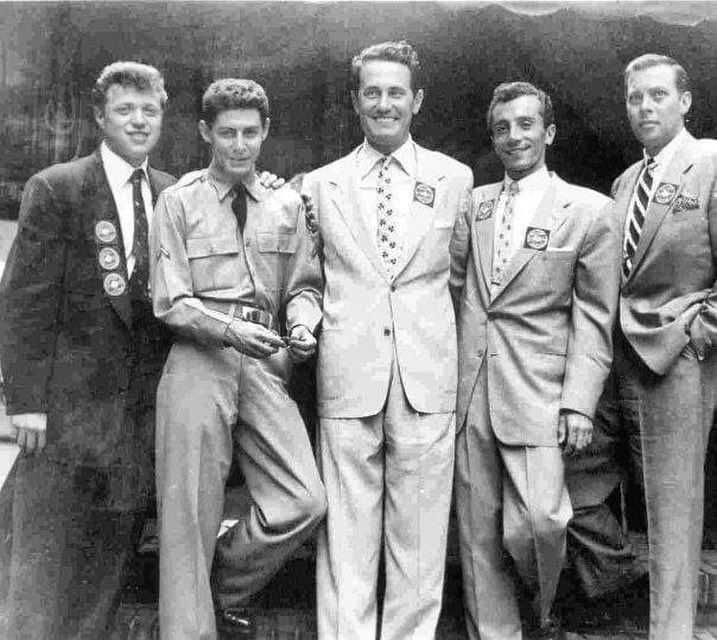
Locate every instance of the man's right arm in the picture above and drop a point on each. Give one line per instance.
(29, 301)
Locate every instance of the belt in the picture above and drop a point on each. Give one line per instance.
(248, 314)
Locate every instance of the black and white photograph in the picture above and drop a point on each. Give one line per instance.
(358, 320)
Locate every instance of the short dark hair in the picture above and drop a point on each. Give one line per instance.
(234, 93)
(400, 51)
(647, 60)
(511, 90)
(142, 77)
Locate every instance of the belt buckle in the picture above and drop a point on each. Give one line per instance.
(257, 316)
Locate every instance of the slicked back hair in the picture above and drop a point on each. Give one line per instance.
(510, 91)
(395, 51)
(648, 60)
(234, 93)
(142, 77)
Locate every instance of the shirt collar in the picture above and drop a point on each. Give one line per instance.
(117, 169)
(252, 186)
(663, 158)
(405, 157)
(536, 181)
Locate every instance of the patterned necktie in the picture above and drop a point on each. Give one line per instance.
(504, 241)
(388, 244)
(239, 206)
(140, 248)
(637, 215)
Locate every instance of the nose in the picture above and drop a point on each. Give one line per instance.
(646, 104)
(383, 101)
(138, 117)
(238, 141)
(513, 131)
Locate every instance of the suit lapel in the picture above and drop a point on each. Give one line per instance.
(484, 228)
(550, 215)
(106, 234)
(421, 216)
(659, 207)
(343, 187)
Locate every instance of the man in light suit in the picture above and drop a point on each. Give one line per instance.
(536, 288)
(387, 360)
(81, 355)
(665, 370)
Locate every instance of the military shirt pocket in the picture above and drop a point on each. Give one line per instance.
(213, 262)
(276, 242)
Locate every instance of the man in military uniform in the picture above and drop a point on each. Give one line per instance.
(232, 269)
(81, 353)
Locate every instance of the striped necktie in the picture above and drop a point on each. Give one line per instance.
(637, 215)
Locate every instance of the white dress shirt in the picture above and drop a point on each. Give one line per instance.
(401, 170)
(119, 172)
(532, 188)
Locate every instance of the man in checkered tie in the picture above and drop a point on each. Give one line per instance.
(387, 361)
(664, 376)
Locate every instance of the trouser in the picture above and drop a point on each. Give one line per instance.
(70, 552)
(388, 483)
(673, 415)
(209, 400)
(513, 508)
(600, 559)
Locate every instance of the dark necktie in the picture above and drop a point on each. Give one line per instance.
(239, 206)
(637, 215)
(140, 248)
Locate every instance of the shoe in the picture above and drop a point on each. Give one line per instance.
(235, 624)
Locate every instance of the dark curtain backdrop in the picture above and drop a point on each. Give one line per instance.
(52, 52)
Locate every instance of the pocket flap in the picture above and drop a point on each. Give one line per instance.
(205, 247)
(276, 242)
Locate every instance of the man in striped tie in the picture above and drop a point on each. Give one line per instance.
(664, 372)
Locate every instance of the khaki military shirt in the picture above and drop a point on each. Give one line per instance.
(201, 263)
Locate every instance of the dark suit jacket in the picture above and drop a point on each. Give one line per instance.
(672, 288)
(68, 347)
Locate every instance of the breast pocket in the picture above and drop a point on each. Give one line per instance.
(276, 242)
(214, 263)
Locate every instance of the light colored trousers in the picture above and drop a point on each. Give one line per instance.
(388, 484)
(512, 505)
(209, 400)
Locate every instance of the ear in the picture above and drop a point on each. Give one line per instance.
(417, 102)
(205, 131)
(265, 132)
(99, 117)
(685, 102)
(550, 134)
(355, 101)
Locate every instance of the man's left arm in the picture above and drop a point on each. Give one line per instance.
(460, 245)
(703, 330)
(303, 290)
(589, 354)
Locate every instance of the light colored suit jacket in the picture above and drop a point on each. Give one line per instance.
(365, 314)
(671, 288)
(545, 333)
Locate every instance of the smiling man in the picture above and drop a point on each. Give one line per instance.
(387, 360)
(536, 288)
(665, 372)
(234, 278)
(81, 355)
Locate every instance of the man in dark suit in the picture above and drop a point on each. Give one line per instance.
(665, 369)
(81, 353)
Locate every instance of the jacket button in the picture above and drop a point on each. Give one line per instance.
(386, 331)
(393, 288)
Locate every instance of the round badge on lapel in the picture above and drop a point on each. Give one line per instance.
(665, 193)
(114, 284)
(424, 194)
(109, 258)
(105, 231)
(485, 209)
(536, 238)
